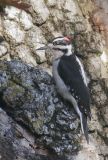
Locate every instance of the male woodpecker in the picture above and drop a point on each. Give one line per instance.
(70, 78)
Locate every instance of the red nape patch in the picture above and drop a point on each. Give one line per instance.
(68, 38)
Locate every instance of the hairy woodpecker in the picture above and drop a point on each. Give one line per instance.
(70, 78)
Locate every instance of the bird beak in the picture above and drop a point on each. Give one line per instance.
(42, 48)
(49, 45)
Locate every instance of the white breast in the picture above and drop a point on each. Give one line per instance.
(61, 87)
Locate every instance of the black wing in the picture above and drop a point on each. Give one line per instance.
(69, 71)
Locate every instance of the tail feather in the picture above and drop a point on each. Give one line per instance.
(84, 126)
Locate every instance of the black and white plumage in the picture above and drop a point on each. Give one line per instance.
(70, 79)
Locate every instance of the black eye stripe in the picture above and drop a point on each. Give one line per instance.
(63, 43)
(56, 43)
(63, 50)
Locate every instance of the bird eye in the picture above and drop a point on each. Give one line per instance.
(56, 43)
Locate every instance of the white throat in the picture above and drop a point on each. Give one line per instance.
(69, 52)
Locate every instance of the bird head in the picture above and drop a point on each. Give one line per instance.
(62, 44)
